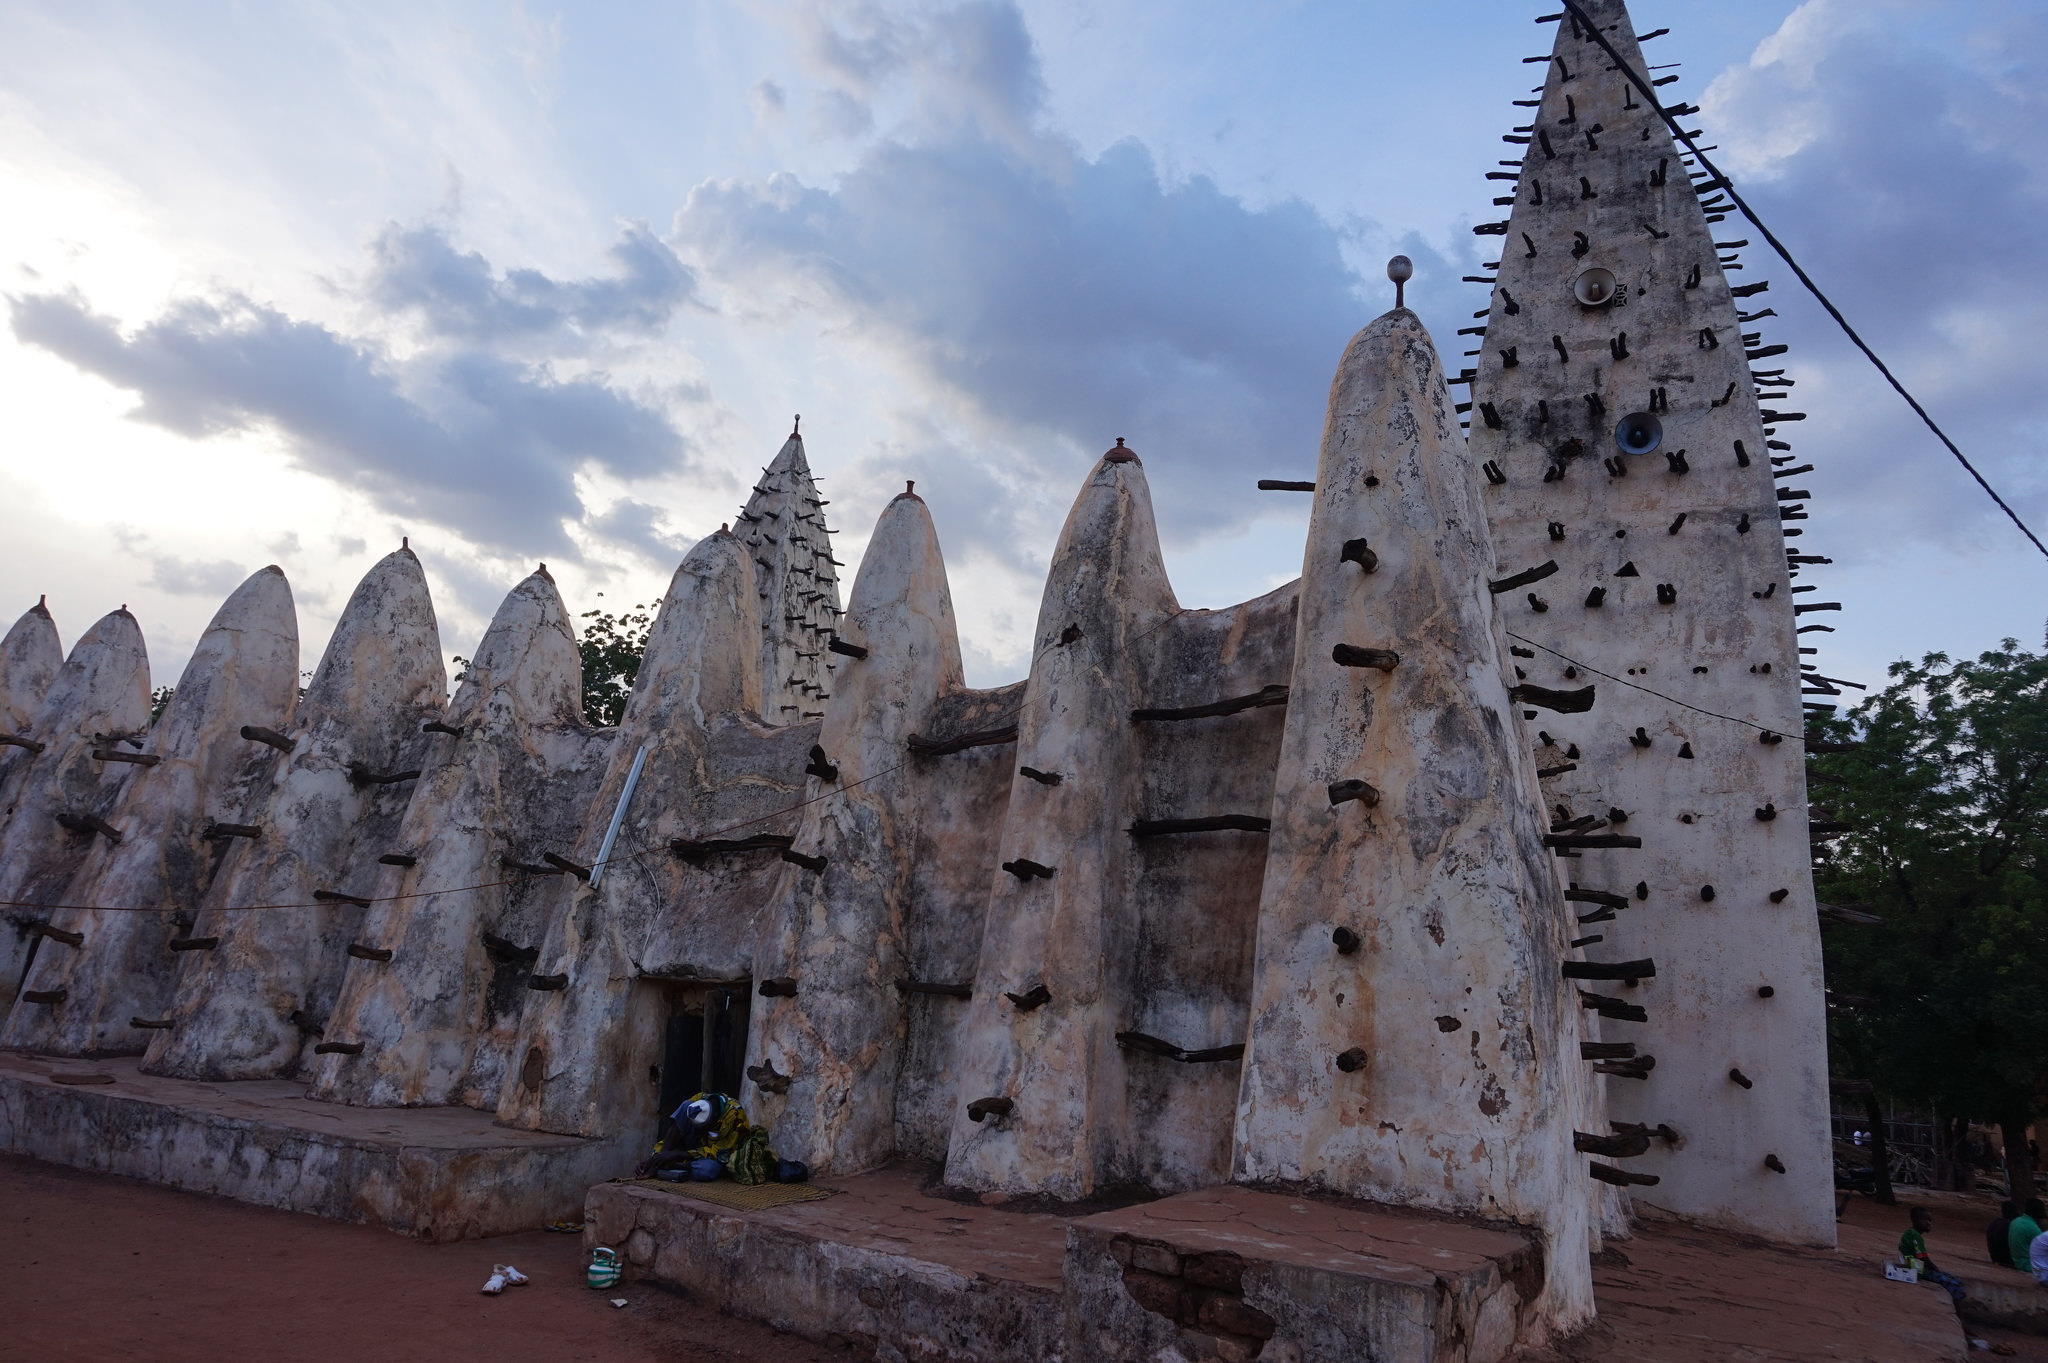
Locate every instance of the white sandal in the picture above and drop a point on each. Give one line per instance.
(496, 1282)
(514, 1276)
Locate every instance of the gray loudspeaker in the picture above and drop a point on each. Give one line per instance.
(1639, 433)
(1594, 287)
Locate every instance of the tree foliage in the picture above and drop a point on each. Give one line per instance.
(1945, 794)
(612, 646)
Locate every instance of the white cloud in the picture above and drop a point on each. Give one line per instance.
(326, 277)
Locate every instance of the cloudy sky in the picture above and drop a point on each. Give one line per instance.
(286, 281)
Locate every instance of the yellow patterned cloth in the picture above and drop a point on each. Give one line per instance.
(728, 1129)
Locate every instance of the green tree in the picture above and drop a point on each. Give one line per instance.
(612, 646)
(1941, 779)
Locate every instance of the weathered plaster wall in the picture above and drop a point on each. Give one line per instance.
(1141, 931)
(837, 928)
(436, 1020)
(1694, 523)
(587, 1034)
(1433, 1064)
(99, 701)
(1194, 896)
(30, 656)
(244, 670)
(960, 800)
(1058, 917)
(253, 1005)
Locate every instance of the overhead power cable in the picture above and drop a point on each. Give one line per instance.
(1651, 690)
(1649, 93)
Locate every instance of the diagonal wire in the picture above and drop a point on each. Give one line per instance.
(1649, 93)
(453, 889)
(1684, 704)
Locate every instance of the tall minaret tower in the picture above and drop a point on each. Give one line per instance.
(783, 526)
(1632, 484)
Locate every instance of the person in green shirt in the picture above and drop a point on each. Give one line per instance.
(2019, 1237)
(1913, 1251)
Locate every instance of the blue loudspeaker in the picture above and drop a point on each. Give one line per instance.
(1639, 433)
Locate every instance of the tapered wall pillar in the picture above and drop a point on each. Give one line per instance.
(1412, 1038)
(509, 780)
(61, 795)
(178, 815)
(580, 1062)
(253, 1002)
(839, 930)
(1039, 1079)
(30, 656)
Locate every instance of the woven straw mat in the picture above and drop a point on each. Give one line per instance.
(740, 1197)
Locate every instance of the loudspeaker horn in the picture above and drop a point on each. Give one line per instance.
(1594, 288)
(1639, 433)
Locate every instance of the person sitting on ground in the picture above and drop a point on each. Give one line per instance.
(2037, 1259)
(2019, 1237)
(1997, 1242)
(701, 1136)
(1913, 1250)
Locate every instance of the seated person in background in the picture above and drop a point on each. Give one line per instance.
(2019, 1237)
(1997, 1243)
(2037, 1259)
(702, 1135)
(1913, 1250)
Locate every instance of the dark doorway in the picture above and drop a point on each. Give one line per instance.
(682, 1063)
(704, 1044)
(725, 1052)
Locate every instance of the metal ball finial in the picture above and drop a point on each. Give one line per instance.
(1400, 269)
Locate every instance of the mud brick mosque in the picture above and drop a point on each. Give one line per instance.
(1450, 903)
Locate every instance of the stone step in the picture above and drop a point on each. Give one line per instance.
(440, 1173)
(1236, 1273)
(881, 1264)
(1223, 1273)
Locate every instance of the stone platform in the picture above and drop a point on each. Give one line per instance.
(1232, 1273)
(2001, 1296)
(438, 1173)
(881, 1264)
(1224, 1273)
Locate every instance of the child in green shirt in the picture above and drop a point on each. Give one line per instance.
(1913, 1251)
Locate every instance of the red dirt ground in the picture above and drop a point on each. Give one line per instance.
(94, 1267)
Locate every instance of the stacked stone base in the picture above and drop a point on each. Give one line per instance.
(1220, 1274)
(1236, 1274)
(437, 1173)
